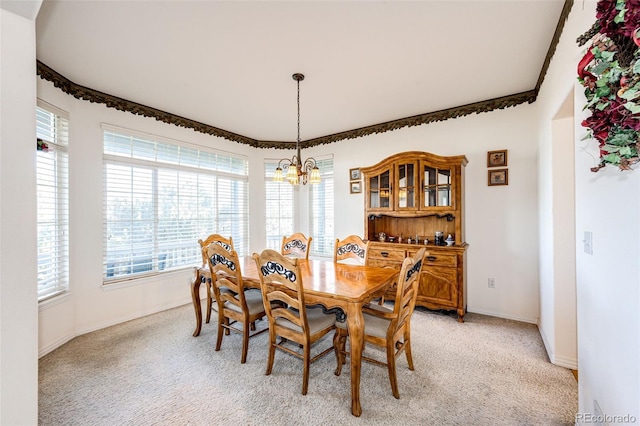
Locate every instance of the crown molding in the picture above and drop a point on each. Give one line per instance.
(95, 96)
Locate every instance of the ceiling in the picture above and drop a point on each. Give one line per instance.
(229, 64)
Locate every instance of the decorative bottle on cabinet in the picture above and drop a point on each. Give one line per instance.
(420, 194)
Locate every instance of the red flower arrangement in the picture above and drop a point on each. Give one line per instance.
(610, 73)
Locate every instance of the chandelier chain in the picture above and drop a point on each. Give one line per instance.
(298, 112)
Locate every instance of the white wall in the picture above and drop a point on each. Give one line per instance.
(607, 204)
(18, 293)
(501, 221)
(557, 236)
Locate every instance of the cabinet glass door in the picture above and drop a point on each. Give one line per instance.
(437, 187)
(407, 186)
(380, 191)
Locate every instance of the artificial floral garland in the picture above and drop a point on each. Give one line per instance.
(610, 73)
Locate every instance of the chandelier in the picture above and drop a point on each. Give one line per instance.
(298, 170)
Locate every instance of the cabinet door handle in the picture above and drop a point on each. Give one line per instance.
(431, 258)
(384, 253)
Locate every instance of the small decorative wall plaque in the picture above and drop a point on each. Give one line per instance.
(354, 174)
(498, 177)
(497, 158)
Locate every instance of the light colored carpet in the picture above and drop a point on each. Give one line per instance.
(151, 371)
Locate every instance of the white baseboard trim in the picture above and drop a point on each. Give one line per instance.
(133, 316)
(55, 345)
(571, 363)
(61, 341)
(503, 315)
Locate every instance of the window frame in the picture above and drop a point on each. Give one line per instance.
(173, 229)
(52, 200)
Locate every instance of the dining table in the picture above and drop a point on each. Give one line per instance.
(345, 288)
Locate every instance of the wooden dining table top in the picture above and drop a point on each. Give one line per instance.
(345, 282)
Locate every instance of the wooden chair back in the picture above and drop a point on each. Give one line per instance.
(235, 304)
(289, 317)
(406, 293)
(281, 286)
(352, 249)
(226, 242)
(296, 245)
(225, 275)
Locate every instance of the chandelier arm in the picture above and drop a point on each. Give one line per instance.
(309, 164)
(285, 161)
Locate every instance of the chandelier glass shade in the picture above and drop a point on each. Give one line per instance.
(297, 171)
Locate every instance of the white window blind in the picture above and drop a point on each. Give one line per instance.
(279, 199)
(321, 210)
(161, 196)
(52, 186)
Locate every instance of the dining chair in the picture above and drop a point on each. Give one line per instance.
(289, 317)
(227, 243)
(296, 245)
(352, 249)
(388, 327)
(236, 305)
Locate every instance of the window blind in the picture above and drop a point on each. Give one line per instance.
(52, 186)
(161, 196)
(279, 208)
(321, 210)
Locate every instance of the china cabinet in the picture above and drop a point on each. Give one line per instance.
(409, 197)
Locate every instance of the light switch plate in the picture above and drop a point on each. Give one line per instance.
(588, 242)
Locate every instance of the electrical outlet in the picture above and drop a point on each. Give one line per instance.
(492, 283)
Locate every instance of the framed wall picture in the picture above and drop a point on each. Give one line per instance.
(354, 174)
(356, 187)
(498, 177)
(497, 158)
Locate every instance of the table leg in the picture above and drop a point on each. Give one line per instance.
(195, 297)
(355, 324)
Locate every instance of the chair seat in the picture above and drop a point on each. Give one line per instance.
(316, 318)
(373, 325)
(254, 302)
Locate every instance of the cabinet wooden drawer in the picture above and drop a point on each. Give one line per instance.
(382, 263)
(392, 254)
(441, 259)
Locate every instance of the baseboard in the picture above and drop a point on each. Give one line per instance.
(130, 317)
(55, 345)
(570, 363)
(95, 327)
(503, 315)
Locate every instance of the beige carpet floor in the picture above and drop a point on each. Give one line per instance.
(151, 371)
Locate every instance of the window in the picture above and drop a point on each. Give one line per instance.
(52, 186)
(161, 196)
(321, 211)
(279, 208)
